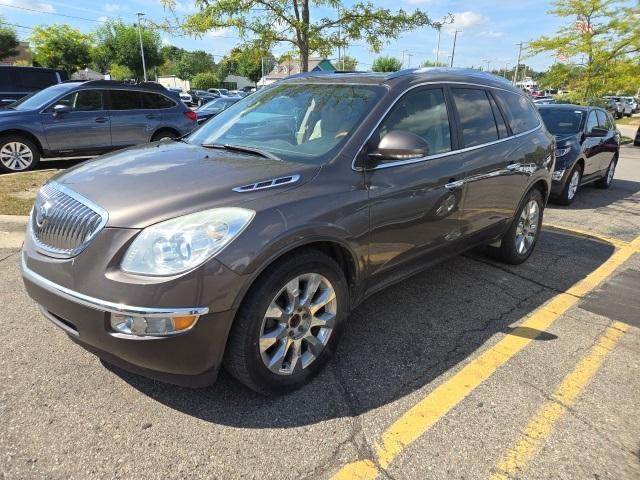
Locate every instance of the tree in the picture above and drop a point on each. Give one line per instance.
(386, 64)
(249, 60)
(192, 63)
(347, 63)
(8, 41)
(61, 46)
(599, 34)
(203, 81)
(283, 21)
(119, 43)
(119, 72)
(430, 63)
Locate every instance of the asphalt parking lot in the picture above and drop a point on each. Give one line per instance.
(469, 370)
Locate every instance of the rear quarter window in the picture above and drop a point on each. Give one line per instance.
(156, 101)
(520, 112)
(476, 116)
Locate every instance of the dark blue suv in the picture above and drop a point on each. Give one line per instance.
(82, 119)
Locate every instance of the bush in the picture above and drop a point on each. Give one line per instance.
(386, 64)
(202, 81)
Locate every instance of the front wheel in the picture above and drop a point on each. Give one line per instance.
(606, 181)
(568, 194)
(18, 154)
(518, 243)
(289, 324)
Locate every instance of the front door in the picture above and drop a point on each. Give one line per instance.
(85, 129)
(415, 205)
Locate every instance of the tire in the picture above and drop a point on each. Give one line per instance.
(606, 181)
(568, 194)
(18, 154)
(512, 250)
(248, 361)
(164, 134)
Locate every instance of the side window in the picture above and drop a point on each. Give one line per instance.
(82, 101)
(602, 119)
(502, 126)
(424, 113)
(156, 101)
(476, 116)
(125, 100)
(592, 121)
(520, 112)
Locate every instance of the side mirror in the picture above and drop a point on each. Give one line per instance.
(598, 132)
(60, 110)
(400, 145)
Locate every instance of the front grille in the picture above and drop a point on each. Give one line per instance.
(63, 222)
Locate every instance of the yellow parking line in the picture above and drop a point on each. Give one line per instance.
(583, 233)
(540, 426)
(421, 417)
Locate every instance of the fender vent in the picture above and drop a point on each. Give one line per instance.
(276, 182)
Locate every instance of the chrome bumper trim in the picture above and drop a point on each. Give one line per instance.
(104, 305)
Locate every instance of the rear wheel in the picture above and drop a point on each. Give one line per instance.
(568, 194)
(18, 154)
(289, 324)
(518, 243)
(606, 181)
(164, 135)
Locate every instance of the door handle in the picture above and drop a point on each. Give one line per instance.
(101, 119)
(453, 184)
(513, 167)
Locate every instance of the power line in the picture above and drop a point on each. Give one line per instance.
(49, 13)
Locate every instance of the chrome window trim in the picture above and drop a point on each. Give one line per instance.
(56, 253)
(104, 305)
(438, 155)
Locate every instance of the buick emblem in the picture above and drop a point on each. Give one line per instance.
(42, 212)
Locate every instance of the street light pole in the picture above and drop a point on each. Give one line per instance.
(144, 67)
(439, 27)
(515, 74)
(453, 52)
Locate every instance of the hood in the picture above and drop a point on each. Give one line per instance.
(144, 185)
(7, 113)
(565, 138)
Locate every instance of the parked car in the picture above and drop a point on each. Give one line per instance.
(623, 108)
(186, 98)
(248, 243)
(18, 82)
(636, 141)
(238, 93)
(543, 100)
(220, 92)
(587, 148)
(86, 118)
(214, 107)
(201, 97)
(633, 102)
(611, 106)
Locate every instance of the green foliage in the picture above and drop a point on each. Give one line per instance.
(283, 21)
(604, 50)
(8, 41)
(386, 64)
(247, 61)
(119, 43)
(202, 81)
(120, 72)
(192, 63)
(430, 63)
(347, 63)
(61, 46)
(171, 52)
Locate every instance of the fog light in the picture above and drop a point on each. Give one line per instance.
(151, 326)
(557, 175)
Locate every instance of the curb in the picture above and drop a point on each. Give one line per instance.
(12, 228)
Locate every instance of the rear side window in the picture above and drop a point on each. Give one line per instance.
(30, 79)
(476, 116)
(424, 113)
(125, 100)
(521, 114)
(155, 101)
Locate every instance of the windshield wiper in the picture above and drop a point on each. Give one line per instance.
(242, 148)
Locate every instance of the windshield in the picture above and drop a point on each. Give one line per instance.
(39, 99)
(295, 122)
(562, 121)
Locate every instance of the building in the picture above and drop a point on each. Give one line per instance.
(291, 67)
(24, 56)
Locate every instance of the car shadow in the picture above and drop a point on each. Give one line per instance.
(590, 197)
(403, 338)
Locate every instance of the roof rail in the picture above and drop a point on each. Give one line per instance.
(111, 83)
(314, 73)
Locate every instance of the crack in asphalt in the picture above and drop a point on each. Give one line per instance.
(8, 256)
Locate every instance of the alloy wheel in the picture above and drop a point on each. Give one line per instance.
(527, 228)
(298, 324)
(611, 172)
(573, 184)
(16, 156)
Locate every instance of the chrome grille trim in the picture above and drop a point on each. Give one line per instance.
(69, 223)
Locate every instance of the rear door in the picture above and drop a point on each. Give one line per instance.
(84, 130)
(132, 122)
(592, 147)
(415, 205)
(609, 144)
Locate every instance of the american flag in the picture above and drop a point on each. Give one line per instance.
(563, 57)
(583, 26)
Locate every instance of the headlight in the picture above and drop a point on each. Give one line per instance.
(561, 152)
(557, 175)
(183, 243)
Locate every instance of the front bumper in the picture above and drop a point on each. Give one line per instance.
(191, 358)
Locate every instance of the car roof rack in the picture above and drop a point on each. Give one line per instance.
(111, 83)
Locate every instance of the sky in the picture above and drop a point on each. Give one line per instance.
(490, 29)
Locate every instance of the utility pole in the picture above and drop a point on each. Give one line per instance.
(453, 52)
(262, 67)
(515, 74)
(339, 35)
(488, 65)
(439, 27)
(144, 67)
(409, 55)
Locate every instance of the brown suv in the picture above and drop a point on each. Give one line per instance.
(248, 244)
